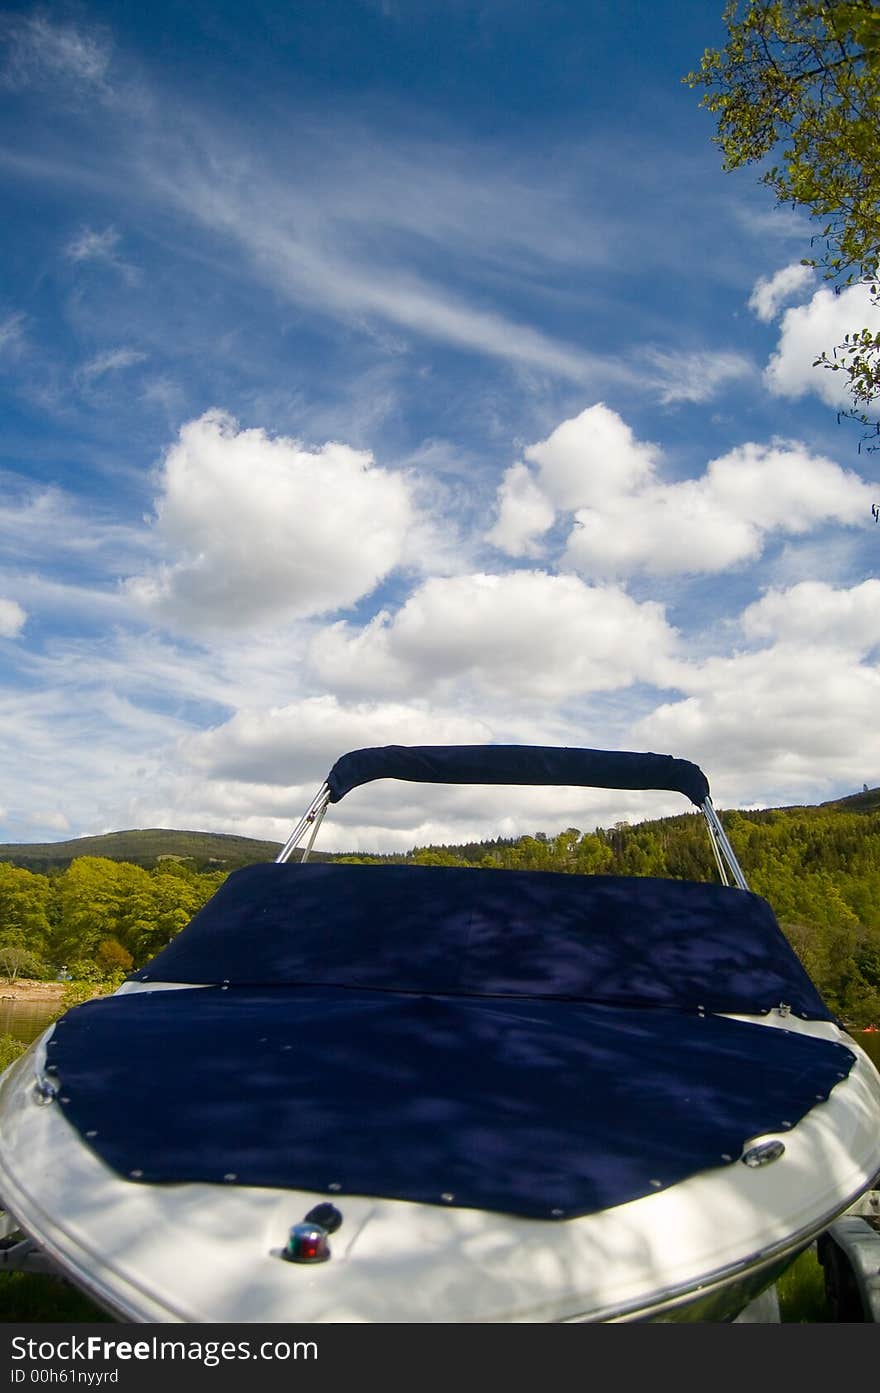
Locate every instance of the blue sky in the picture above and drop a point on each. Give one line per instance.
(390, 371)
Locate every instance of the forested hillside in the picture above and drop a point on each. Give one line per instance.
(818, 866)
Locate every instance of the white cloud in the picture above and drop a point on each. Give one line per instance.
(12, 618)
(814, 328)
(590, 458)
(721, 519)
(295, 745)
(523, 635)
(675, 376)
(93, 246)
(101, 247)
(11, 333)
(325, 243)
(770, 293)
(627, 519)
(791, 719)
(777, 726)
(261, 528)
(53, 819)
(112, 360)
(814, 612)
(42, 51)
(524, 514)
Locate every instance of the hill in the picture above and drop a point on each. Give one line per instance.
(204, 851)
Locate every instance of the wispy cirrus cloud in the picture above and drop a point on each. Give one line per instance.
(676, 376)
(111, 360)
(103, 248)
(11, 334)
(40, 49)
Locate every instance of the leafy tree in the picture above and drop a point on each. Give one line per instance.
(24, 908)
(799, 80)
(15, 959)
(112, 957)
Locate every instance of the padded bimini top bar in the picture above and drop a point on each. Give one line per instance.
(517, 764)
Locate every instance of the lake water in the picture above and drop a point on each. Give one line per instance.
(25, 1020)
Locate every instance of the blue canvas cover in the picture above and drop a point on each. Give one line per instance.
(517, 764)
(544, 1109)
(613, 939)
(529, 1043)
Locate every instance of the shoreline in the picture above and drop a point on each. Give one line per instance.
(29, 989)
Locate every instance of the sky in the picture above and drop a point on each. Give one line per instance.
(409, 372)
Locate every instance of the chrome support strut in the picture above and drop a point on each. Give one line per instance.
(312, 819)
(719, 839)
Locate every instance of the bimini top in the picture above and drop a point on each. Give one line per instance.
(517, 764)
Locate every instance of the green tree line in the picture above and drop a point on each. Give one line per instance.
(97, 919)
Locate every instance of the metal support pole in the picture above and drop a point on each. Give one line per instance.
(718, 861)
(317, 809)
(715, 827)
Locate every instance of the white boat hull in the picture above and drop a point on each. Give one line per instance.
(206, 1253)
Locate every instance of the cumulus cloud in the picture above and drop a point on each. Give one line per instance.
(261, 528)
(626, 518)
(813, 612)
(814, 328)
(524, 514)
(797, 715)
(295, 745)
(522, 635)
(590, 458)
(771, 292)
(12, 618)
(777, 725)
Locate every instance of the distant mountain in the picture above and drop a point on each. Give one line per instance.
(204, 851)
(868, 801)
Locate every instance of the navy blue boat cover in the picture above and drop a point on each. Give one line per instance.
(528, 1043)
(614, 939)
(516, 764)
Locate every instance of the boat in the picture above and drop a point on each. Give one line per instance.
(397, 1093)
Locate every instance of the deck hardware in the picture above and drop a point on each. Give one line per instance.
(325, 1214)
(230, 1175)
(334, 1185)
(45, 1091)
(306, 1243)
(446, 1197)
(784, 1009)
(763, 1153)
(557, 1213)
(136, 1175)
